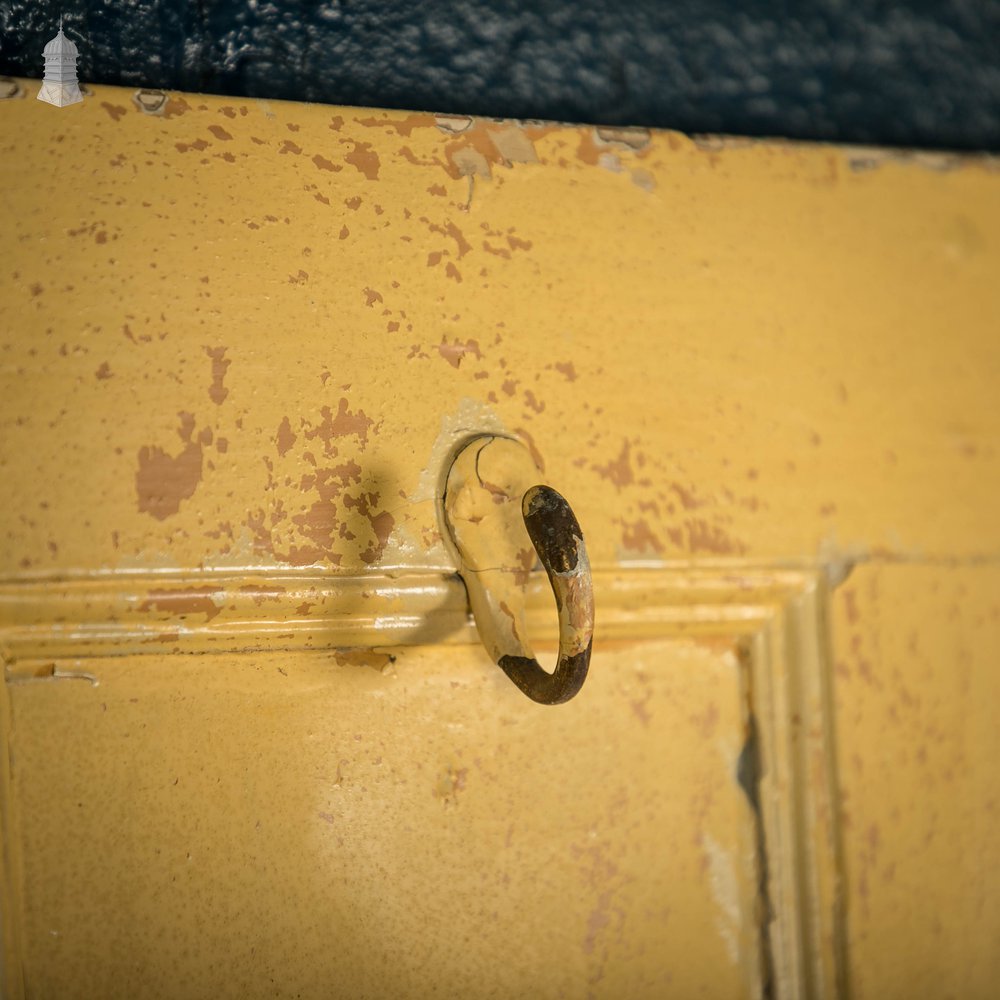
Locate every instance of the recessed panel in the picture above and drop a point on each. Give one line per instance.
(365, 825)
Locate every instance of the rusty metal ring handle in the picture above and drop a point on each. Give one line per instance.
(556, 535)
(493, 517)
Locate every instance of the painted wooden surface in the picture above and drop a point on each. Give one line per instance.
(239, 341)
(337, 858)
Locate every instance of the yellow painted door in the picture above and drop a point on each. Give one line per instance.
(254, 745)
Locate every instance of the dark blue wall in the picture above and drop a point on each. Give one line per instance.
(922, 74)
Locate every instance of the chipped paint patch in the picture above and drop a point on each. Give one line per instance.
(322, 163)
(259, 593)
(718, 143)
(363, 158)
(455, 351)
(639, 539)
(462, 245)
(343, 513)
(479, 147)
(862, 159)
(401, 126)
(529, 443)
(513, 145)
(468, 162)
(363, 658)
(199, 145)
(175, 107)
(344, 423)
(163, 480)
(698, 535)
(453, 124)
(619, 470)
(181, 602)
(220, 365)
(724, 886)
(605, 148)
(116, 111)
(285, 437)
(632, 138)
(643, 179)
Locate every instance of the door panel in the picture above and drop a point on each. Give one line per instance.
(240, 343)
(917, 685)
(673, 831)
(231, 822)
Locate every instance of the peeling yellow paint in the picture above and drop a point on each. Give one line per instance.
(245, 339)
(672, 271)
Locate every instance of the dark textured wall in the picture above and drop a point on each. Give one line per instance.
(923, 74)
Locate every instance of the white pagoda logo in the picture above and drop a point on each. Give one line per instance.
(60, 86)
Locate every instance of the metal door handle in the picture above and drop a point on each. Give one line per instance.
(481, 489)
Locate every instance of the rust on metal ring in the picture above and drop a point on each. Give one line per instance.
(556, 535)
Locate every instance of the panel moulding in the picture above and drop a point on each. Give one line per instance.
(775, 618)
